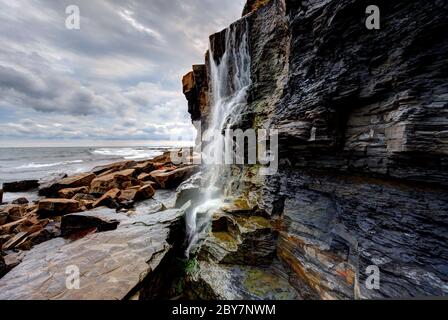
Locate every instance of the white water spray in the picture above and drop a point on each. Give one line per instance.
(230, 80)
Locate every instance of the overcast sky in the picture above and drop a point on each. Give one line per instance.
(118, 78)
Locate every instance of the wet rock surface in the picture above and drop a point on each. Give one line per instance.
(112, 264)
(47, 235)
(240, 282)
(362, 116)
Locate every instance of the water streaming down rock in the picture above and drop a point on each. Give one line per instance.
(230, 79)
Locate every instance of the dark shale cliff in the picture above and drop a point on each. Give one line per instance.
(363, 139)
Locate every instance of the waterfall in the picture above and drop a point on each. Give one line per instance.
(230, 81)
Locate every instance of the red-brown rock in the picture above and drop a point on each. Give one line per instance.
(13, 212)
(81, 180)
(69, 193)
(57, 207)
(119, 180)
(109, 199)
(172, 178)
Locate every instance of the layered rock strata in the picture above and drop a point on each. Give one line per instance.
(362, 117)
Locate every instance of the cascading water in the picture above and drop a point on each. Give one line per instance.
(230, 80)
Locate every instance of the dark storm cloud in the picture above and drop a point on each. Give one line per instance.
(117, 77)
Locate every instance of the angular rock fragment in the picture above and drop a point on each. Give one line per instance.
(109, 199)
(120, 180)
(20, 186)
(77, 181)
(144, 167)
(57, 207)
(84, 196)
(100, 219)
(9, 227)
(172, 179)
(21, 201)
(3, 218)
(12, 260)
(16, 239)
(69, 193)
(13, 212)
(144, 177)
(128, 195)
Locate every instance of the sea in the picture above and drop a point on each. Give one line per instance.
(42, 163)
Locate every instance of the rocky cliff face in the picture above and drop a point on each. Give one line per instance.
(363, 129)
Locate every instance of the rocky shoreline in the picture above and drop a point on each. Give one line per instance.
(129, 204)
(362, 179)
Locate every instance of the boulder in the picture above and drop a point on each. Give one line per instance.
(145, 167)
(77, 181)
(145, 192)
(12, 260)
(128, 195)
(136, 194)
(100, 219)
(21, 201)
(20, 186)
(84, 196)
(172, 179)
(13, 212)
(15, 240)
(3, 218)
(109, 199)
(31, 224)
(9, 227)
(144, 177)
(153, 184)
(120, 180)
(56, 207)
(69, 193)
(41, 231)
(86, 205)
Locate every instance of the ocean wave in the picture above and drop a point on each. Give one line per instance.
(127, 153)
(33, 165)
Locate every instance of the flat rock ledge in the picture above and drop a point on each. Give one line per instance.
(111, 264)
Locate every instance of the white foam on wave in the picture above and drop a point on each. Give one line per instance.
(127, 153)
(33, 165)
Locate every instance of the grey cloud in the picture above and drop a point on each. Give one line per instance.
(118, 77)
